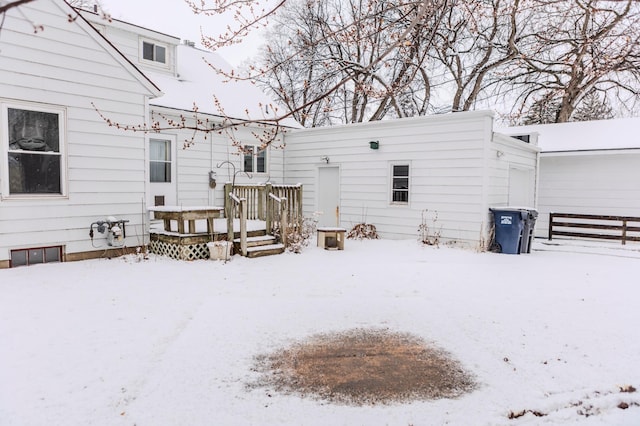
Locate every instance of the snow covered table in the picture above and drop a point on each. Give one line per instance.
(331, 238)
(175, 242)
(189, 214)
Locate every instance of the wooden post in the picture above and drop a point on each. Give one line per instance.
(624, 232)
(268, 210)
(299, 205)
(228, 211)
(243, 226)
(264, 201)
(284, 220)
(550, 226)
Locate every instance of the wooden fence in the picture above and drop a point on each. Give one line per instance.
(620, 228)
(260, 205)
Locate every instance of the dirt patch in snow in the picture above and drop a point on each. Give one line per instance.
(364, 367)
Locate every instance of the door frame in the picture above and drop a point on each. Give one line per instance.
(338, 190)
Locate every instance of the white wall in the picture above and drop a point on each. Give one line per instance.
(590, 182)
(128, 38)
(66, 66)
(447, 156)
(197, 156)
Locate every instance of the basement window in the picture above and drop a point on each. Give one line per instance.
(33, 256)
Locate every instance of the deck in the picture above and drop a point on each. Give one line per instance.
(183, 232)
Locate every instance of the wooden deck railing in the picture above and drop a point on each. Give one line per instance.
(259, 206)
(240, 205)
(278, 214)
(622, 228)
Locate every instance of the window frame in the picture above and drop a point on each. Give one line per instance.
(28, 252)
(154, 44)
(61, 112)
(256, 153)
(393, 177)
(170, 161)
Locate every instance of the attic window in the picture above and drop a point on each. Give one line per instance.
(154, 52)
(523, 138)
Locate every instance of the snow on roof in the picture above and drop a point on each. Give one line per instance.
(197, 82)
(621, 133)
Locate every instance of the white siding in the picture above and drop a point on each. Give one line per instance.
(194, 162)
(128, 37)
(67, 66)
(508, 153)
(596, 182)
(446, 155)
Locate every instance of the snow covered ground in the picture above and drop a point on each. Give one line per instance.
(162, 342)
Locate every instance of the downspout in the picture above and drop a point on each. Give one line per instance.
(211, 197)
(485, 222)
(147, 189)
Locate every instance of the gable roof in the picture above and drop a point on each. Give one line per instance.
(198, 83)
(597, 135)
(80, 20)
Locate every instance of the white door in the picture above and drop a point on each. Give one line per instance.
(162, 171)
(329, 196)
(521, 187)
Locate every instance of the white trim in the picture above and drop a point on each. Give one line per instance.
(5, 105)
(590, 152)
(149, 62)
(169, 187)
(254, 160)
(390, 184)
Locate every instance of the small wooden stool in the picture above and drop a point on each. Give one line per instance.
(331, 238)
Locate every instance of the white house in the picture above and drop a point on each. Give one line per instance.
(590, 167)
(187, 77)
(75, 187)
(448, 169)
(63, 170)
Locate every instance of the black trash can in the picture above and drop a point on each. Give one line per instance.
(509, 226)
(527, 232)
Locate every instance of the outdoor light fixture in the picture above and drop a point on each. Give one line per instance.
(325, 159)
(374, 144)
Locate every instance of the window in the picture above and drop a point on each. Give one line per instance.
(523, 138)
(400, 183)
(32, 256)
(255, 159)
(160, 160)
(154, 52)
(34, 158)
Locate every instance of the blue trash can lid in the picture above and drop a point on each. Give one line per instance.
(513, 209)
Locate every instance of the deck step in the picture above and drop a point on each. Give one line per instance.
(265, 250)
(261, 240)
(263, 245)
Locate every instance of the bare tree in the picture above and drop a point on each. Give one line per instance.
(345, 61)
(10, 5)
(475, 41)
(583, 45)
(592, 107)
(352, 47)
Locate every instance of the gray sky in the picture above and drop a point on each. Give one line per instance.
(175, 18)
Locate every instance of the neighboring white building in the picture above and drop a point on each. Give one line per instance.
(453, 167)
(590, 167)
(62, 168)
